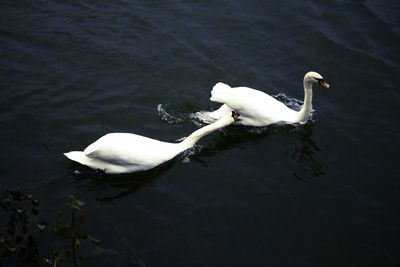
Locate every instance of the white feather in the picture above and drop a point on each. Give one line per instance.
(126, 152)
(257, 108)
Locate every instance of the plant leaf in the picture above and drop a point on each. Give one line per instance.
(94, 240)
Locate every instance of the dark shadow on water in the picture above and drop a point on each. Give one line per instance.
(108, 187)
(305, 152)
(307, 156)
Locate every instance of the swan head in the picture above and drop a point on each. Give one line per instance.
(314, 77)
(235, 115)
(229, 117)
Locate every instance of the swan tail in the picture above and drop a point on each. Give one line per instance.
(220, 92)
(78, 156)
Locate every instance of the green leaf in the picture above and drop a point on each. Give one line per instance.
(82, 215)
(73, 205)
(94, 240)
(74, 201)
(63, 230)
(61, 255)
(80, 202)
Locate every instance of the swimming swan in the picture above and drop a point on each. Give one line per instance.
(124, 152)
(257, 108)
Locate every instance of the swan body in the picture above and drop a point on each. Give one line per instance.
(116, 153)
(257, 108)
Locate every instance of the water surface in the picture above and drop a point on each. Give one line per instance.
(323, 194)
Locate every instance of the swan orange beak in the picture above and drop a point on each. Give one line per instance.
(324, 84)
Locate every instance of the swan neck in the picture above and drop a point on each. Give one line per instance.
(198, 134)
(307, 105)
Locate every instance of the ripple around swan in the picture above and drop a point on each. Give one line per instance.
(202, 117)
(167, 117)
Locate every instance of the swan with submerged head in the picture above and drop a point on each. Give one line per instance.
(116, 153)
(257, 108)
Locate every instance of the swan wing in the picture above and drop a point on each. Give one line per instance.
(125, 148)
(256, 108)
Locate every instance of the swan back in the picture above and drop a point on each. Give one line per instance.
(125, 152)
(126, 148)
(255, 107)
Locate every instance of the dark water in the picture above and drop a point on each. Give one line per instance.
(325, 194)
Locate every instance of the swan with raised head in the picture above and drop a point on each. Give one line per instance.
(116, 153)
(257, 108)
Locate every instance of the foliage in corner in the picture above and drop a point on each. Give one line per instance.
(19, 221)
(71, 230)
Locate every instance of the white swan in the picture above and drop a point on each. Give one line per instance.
(125, 153)
(257, 108)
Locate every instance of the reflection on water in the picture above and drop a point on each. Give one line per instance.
(305, 151)
(307, 155)
(105, 187)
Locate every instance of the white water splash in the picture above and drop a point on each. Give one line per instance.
(190, 152)
(203, 116)
(165, 116)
